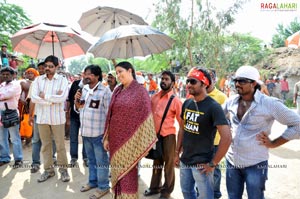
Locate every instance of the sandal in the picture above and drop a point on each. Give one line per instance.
(98, 194)
(86, 187)
(150, 192)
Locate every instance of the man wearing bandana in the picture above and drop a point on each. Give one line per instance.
(201, 117)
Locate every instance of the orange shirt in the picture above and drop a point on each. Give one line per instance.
(158, 105)
(152, 85)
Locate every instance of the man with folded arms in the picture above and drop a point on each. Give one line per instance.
(49, 92)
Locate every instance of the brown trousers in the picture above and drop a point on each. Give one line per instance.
(47, 134)
(166, 163)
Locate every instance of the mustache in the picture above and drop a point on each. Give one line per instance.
(87, 80)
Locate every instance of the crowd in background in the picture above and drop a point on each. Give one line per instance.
(119, 113)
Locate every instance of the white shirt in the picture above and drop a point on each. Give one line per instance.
(50, 110)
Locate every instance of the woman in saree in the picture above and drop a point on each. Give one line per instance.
(130, 132)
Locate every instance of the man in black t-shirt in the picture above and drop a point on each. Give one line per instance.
(201, 118)
(75, 123)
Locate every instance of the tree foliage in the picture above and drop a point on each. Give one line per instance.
(278, 40)
(12, 19)
(201, 34)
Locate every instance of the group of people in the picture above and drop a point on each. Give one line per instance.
(7, 59)
(273, 86)
(119, 123)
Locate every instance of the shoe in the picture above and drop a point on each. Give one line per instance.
(65, 176)
(35, 168)
(18, 164)
(3, 163)
(46, 175)
(99, 194)
(86, 163)
(73, 162)
(150, 192)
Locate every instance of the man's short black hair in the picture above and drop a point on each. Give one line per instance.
(52, 59)
(41, 64)
(170, 74)
(95, 70)
(7, 69)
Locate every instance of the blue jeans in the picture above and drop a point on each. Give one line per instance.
(37, 144)
(16, 143)
(98, 162)
(217, 178)
(254, 176)
(191, 176)
(74, 131)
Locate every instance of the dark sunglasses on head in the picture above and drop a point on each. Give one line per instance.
(243, 81)
(191, 81)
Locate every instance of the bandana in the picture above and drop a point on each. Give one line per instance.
(197, 74)
(35, 72)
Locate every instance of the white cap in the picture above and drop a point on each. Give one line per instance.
(248, 72)
(140, 79)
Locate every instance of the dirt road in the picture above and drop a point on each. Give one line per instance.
(284, 177)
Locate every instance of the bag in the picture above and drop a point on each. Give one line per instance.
(157, 151)
(9, 117)
(25, 128)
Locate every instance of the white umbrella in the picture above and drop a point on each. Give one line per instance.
(130, 41)
(99, 20)
(43, 39)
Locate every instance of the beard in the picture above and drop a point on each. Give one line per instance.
(164, 87)
(87, 81)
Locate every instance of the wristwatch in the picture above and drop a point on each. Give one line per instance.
(211, 164)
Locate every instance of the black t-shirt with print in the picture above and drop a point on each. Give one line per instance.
(200, 129)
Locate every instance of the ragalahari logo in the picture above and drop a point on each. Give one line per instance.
(278, 6)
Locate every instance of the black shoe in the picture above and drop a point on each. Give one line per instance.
(73, 162)
(35, 168)
(150, 192)
(18, 164)
(86, 163)
(3, 163)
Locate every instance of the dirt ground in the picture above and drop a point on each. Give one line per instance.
(283, 179)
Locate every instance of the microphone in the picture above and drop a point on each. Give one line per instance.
(80, 90)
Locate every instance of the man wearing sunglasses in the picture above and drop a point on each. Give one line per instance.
(201, 117)
(49, 93)
(251, 116)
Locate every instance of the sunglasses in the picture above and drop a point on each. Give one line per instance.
(49, 66)
(191, 81)
(243, 81)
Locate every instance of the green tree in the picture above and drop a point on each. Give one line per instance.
(12, 19)
(198, 35)
(278, 40)
(77, 65)
(242, 49)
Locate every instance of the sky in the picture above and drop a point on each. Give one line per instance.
(260, 23)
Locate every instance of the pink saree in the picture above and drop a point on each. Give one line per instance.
(131, 134)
